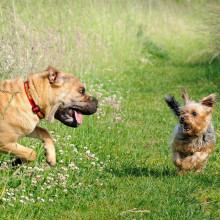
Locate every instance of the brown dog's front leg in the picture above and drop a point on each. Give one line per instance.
(18, 150)
(44, 135)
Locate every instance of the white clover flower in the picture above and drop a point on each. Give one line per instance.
(61, 152)
(42, 200)
(51, 200)
(61, 161)
(76, 169)
(65, 191)
(22, 201)
(93, 163)
(4, 199)
(71, 165)
(31, 195)
(64, 169)
(75, 151)
(88, 152)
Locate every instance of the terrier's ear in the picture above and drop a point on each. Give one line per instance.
(55, 76)
(209, 101)
(184, 96)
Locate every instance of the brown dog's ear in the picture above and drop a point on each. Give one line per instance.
(184, 96)
(209, 101)
(55, 76)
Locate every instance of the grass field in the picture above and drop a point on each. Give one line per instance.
(117, 164)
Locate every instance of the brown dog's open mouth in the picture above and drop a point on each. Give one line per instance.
(70, 117)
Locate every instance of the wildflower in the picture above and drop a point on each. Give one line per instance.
(65, 191)
(93, 163)
(75, 151)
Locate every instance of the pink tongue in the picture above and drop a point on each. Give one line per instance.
(78, 116)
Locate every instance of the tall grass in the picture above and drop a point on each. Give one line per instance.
(213, 27)
(94, 37)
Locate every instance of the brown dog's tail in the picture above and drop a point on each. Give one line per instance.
(173, 104)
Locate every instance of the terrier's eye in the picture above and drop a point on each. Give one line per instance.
(194, 113)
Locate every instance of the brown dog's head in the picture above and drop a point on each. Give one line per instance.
(72, 98)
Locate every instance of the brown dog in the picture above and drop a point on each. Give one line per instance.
(50, 94)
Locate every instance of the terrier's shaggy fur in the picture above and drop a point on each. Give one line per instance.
(193, 138)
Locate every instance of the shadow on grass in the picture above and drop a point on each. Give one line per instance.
(145, 171)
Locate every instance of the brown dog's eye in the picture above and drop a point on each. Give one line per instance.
(82, 91)
(194, 113)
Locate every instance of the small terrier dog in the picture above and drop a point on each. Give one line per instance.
(193, 138)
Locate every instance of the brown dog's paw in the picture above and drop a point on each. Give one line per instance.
(17, 162)
(51, 161)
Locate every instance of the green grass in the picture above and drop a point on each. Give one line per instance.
(130, 55)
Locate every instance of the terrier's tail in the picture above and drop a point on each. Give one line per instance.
(173, 104)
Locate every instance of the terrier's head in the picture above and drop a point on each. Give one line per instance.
(196, 117)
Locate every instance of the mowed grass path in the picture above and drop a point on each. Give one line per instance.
(139, 173)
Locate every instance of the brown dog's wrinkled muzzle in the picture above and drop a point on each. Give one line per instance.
(72, 115)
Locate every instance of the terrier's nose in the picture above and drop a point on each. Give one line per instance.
(182, 119)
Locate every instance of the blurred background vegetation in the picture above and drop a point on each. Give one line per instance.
(99, 37)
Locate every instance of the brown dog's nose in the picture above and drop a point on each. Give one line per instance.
(96, 102)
